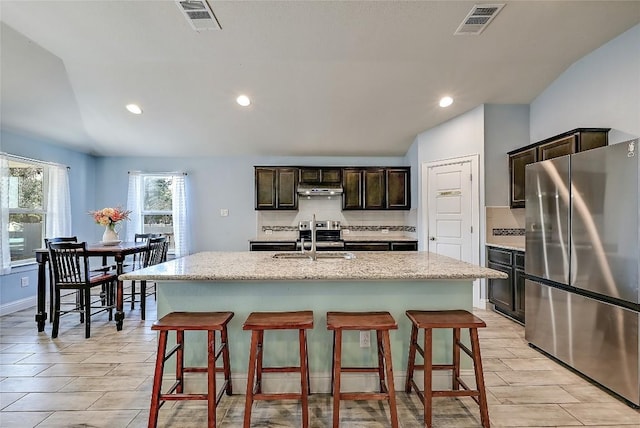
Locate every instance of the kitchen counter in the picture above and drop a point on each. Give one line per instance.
(244, 282)
(261, 266)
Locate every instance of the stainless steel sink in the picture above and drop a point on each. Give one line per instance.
(322, 255)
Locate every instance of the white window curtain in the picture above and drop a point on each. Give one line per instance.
(5, 253)
(58, 218)
(179, 204)
(134, 204)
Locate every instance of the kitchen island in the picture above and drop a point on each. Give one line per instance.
(244, 282)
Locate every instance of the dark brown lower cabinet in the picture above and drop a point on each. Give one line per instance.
(381, 246)
(507, 295)
(272, 246)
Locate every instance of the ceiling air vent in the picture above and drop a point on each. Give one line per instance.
(199, 14)
(478, 19)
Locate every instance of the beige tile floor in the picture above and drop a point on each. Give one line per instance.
(105, 381)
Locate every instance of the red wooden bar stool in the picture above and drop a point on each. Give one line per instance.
(181, 322)
(454, 319)
(381, 322)
(258, 322)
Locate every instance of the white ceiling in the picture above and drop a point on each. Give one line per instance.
(326, 78)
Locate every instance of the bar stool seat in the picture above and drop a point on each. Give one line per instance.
(187, 321)
(456, 320)
(381, 322)
(258, 322)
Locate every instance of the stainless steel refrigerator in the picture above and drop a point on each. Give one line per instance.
(582, 261)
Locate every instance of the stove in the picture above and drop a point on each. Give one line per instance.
(328, 235)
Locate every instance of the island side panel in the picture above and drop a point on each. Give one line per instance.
(281, 347)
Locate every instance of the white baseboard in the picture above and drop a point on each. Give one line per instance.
(483, 304)
(18, 305)
(320, 382)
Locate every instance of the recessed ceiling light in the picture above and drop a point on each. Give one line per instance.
(243, 100)
(446, 101)
(134, 108)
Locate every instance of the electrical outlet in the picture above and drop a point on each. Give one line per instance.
(365, 339)
(384, 231)
(268, 232)
(224, 212)
(346, 231)
(24, 281)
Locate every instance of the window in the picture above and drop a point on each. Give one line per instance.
(157, 207)
(158, 204)
(27, 209)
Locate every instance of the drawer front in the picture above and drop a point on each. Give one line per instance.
(366, 246)
(404, 246)
(501, 256)
(272, 246)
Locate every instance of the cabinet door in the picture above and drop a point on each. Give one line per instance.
(352, 189)
(591, 139)
(518, 290)
(331, 175)
(265, 179)
(286, 191)
(375, 189)
(517, 163)
(310, 175)
(557, 148)
(500, 291)
(398, 189)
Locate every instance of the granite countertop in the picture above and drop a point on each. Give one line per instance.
(275, 238)
(345, 238)
(507, 247)
(261, 266)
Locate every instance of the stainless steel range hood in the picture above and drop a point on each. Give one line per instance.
(319, 190)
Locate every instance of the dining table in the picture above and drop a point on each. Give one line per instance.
(119, 252)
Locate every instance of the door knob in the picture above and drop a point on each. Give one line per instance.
(433, 238)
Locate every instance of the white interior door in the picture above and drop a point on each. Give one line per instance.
(452, 213)
(449, 210)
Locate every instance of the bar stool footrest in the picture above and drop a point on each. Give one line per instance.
(277, 396)
(180, 397)
(359, 369)
(364, 396)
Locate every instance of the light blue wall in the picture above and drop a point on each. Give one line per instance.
(602, 89)
(506, 128)
(81, 186)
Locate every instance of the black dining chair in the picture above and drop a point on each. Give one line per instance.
(51, 294)
(156, 253)
(70, 265)
(52, 302)
(137, 263)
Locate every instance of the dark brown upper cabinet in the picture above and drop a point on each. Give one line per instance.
(398, 189)
(517, 163)
(376, 189)
(574, 141)
(320, 175)
(276, 188)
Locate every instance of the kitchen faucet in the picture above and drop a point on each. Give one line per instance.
(312, 252)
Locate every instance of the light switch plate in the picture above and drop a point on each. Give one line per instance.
(224, 212)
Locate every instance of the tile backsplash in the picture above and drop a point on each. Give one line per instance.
(505, 226)
(284, 224)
